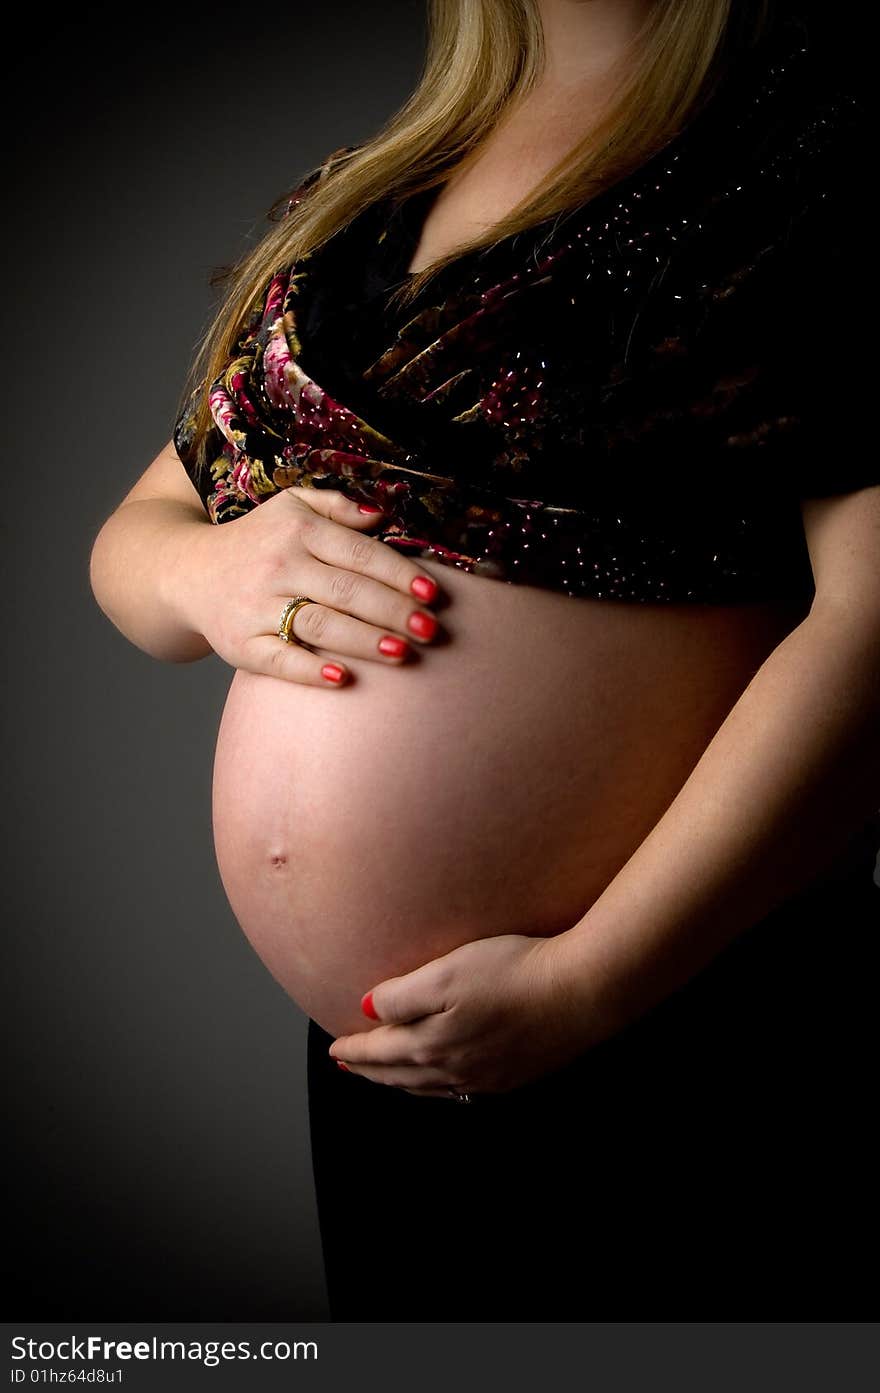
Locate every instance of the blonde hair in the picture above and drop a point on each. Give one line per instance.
(482, 56)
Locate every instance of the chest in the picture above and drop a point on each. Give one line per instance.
(636, 332)
(504, 171)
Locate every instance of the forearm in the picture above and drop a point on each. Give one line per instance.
(789, 776)
(138, 576)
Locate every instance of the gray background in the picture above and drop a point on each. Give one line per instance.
(157, 1138)
(158, 1130)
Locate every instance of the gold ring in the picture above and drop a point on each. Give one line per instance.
(288, 614)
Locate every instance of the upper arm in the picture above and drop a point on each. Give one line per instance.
(819, 374)
(843, 539)
(166, 477)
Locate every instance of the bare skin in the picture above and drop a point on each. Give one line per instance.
(586, 52)
(498, 785)
(389, 836)
(554, 812)
(494, 786)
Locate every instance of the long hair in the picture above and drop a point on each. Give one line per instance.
(482, 56)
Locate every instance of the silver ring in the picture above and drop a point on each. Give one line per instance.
(289, 613)
(459, 1097)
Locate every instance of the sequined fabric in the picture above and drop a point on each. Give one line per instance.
(628, 403)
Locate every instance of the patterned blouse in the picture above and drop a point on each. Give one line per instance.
(628, 402)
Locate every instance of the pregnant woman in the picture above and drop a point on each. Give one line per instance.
(524, 479)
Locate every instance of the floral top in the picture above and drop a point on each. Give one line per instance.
(627, 402)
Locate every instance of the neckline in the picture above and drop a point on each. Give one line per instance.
(403, 218)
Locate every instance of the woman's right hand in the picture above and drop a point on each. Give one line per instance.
(305, 541)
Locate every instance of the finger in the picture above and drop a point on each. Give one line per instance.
(389, 1045)
(431, 1093)
(370, 556)
(321, 626)
(429, 1085)
(272, 657)
(349, 589)
(324, 624)
(442, 1093)
(423, 992)
(333, 504)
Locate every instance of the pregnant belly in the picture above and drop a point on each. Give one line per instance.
(495, 785)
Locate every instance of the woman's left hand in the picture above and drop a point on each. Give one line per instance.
(484, 1018)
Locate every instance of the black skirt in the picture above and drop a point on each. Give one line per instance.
(715, 1160)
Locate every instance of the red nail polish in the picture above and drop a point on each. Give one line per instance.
(333, 672)
(340, 1065)
(424, 588)
(368, 508)
(393, 647)
(425, 625)
(368, 1008)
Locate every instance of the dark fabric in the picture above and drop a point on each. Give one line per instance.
(629, 402)
(716, 1160)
